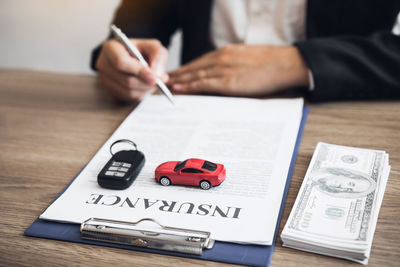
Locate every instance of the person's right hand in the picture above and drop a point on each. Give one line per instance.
(123, 76)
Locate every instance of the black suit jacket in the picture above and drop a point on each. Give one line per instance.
(350, 49)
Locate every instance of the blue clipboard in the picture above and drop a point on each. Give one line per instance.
(253, 255)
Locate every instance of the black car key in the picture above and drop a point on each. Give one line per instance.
(122, 169)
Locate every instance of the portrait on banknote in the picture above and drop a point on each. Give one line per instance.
(343, 183)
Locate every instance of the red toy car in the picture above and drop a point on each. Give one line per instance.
(197, 172)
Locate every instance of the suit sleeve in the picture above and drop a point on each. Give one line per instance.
(353, 67)
(144, 19)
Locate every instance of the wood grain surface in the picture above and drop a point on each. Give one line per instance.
(52, 124)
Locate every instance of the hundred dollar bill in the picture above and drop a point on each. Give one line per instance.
(338, 202)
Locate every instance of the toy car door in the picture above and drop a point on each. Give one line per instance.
(190, 176)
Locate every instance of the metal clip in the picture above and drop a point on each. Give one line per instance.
(160, 237)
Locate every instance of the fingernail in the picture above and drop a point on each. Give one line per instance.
(165, 77)
(159, 70)
(177, 87)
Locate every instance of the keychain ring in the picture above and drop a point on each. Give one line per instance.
(122, 141)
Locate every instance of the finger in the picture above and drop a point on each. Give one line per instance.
(202, 73)
(155, 53)
(210, 85)
(118, 57)
(119, 92)
(203, 62)
(127, 81)
(165, 77)
(113, 88)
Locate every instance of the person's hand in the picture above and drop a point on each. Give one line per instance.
(123, 76)
(242, 70)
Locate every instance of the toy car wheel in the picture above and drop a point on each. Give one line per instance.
(205, 185)
(165, 181)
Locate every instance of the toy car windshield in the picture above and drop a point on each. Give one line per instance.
(180, 165)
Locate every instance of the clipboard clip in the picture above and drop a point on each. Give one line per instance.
(154, 236)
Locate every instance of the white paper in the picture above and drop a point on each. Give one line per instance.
(253, 138)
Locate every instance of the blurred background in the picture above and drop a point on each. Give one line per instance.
(58, 35)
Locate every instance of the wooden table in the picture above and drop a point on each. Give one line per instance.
(52, 124)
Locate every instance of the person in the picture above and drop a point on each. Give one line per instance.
(329, 50)
(343, 183)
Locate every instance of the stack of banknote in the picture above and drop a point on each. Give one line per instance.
(337, 207)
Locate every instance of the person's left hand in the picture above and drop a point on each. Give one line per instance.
(242, 70)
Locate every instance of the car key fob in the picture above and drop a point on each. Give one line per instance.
(122, 169)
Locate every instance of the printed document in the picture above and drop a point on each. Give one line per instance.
(253, 138)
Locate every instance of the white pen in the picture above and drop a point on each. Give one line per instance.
(133, 51)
